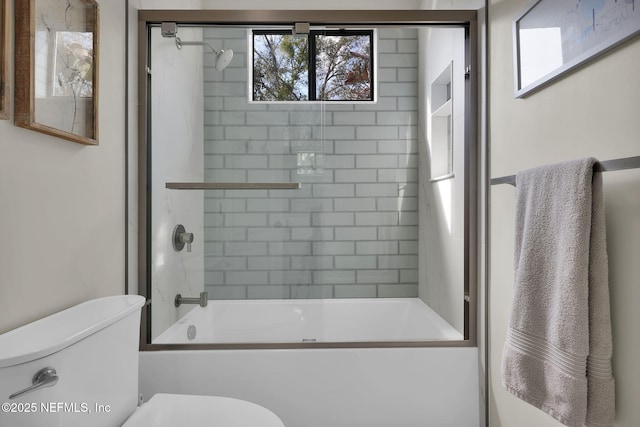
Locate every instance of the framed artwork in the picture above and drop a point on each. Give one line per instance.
(4, 59)
(552, 37)
(56, 68)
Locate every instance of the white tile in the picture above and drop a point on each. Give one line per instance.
(377, 132)
(399, 89)
(224, 147)
(286, 219)
(378, 276)
(218, 234)
(333, 190)
(268, 263)
(397, 175)
(295, 277)
(312, 233)
(245, 132)
(409, 276)
(356, 233)
(246, 277)
(355, 204)
(290, 248)
(311, 205)
(377, 247)
(409, 247)
(290, 132)
(333, 218)
(245, 219)
(334, 276)
(376, 218)
(333, 248)
(268, 292)
(354, 118)
(316, 262)
(397, 261)
(377, 161)
(225, 88)
(397, 118)
(355, 262)
(356, 175)
(356, 147)
(267, 234)
(355, 291)
(225, 263)
(376, 190)
(397, 291)
(245, 248)
(398, 233)
(267, 118)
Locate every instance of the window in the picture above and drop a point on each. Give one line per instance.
(321, 66)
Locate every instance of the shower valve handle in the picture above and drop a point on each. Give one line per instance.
(181, 237)
(188, 239)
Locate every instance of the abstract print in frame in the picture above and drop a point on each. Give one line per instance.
(56, 63)
(552, 37)
(4, 59)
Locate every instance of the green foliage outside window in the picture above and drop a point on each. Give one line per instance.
(327, 66)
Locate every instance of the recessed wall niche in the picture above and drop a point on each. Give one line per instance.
(441, 140)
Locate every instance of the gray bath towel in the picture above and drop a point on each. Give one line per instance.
(557, 355)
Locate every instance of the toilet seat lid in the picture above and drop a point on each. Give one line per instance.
(170, 410)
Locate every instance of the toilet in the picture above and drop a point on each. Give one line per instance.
(79, 367)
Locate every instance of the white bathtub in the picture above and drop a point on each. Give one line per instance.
(335, 320)
(324, 387)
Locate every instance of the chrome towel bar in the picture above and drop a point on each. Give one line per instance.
(606, 166)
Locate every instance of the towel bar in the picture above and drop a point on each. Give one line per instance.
(606, 166)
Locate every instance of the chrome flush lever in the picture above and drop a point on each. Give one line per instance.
(181, 237)
(43, 378)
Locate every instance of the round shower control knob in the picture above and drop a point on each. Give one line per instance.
(181, 237)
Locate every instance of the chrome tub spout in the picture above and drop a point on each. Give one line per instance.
(202, 301)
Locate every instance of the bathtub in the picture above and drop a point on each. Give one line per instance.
(323, 387)
(334, 320)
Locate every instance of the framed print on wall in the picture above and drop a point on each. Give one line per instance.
(552, 37)
(56, 68)
(4, 59)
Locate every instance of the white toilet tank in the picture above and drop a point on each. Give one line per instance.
(93, 348)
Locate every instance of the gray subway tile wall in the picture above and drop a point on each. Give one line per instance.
(351, 230)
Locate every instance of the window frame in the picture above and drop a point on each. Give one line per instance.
(312, 69)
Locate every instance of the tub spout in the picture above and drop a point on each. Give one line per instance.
(202, 301)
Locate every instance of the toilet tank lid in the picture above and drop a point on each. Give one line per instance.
(60, 330)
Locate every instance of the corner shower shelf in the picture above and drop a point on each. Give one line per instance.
(233, 185)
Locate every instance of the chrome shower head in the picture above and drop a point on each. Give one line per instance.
(223, 57)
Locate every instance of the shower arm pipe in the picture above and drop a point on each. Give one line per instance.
(233, 185)
(180, 43)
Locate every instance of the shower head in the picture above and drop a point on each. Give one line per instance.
(223, 57)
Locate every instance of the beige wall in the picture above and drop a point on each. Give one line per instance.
(62, 203)
(592, 112)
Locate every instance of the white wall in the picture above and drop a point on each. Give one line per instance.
(177, 156)
(62, 203)
(441, 243)
(592, 112)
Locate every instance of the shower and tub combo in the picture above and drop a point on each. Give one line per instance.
(308, 212)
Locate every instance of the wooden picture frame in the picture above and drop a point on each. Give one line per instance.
(56, 68)
(553, 37)
(4, 59)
